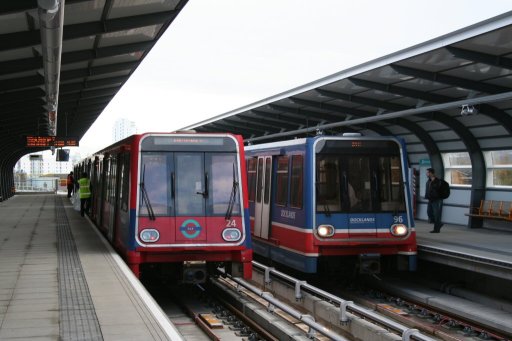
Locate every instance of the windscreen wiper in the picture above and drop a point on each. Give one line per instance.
(145, 196)
(232, 197)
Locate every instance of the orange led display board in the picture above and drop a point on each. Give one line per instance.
(51, 141)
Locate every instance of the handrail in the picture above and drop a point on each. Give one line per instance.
(345, 305)
(304, 318)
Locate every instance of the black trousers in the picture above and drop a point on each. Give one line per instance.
(85, 204)
(70, 190)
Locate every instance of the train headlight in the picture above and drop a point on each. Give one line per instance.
(398, 230)
(149, 235)
(325, 231)
(231, 235)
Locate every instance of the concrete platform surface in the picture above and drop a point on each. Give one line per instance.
(59, 279)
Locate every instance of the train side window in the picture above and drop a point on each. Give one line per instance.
(282, 180)
(113, 175)
(251, 177)
(296, 181)
(268, 174)
(260, 180)
(125, 176)
(104, 179)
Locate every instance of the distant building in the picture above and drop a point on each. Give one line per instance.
(123, 128)
(42, 163)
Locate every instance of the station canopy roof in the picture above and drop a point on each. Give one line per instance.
(458, 86)
(100, 43)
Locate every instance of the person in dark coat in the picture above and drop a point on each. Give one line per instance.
(70, 182)
(435, 203)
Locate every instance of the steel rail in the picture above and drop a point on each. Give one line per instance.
(406, 332)
(304, 318)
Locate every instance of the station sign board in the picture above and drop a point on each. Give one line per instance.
(51, 141)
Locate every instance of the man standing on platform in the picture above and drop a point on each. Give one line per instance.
(85, 194)
(70, 182)
(435, 202)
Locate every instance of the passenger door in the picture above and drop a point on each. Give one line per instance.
(263, 192)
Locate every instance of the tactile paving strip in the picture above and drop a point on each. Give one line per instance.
(78, 320)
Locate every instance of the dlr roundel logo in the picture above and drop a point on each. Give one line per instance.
(190, 228)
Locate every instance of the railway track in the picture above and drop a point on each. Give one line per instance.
(275, 306)
(392, 312)
(224, 310)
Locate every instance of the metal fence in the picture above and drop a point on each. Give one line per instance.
(46, 185)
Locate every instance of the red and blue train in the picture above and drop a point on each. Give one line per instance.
(173, 203)
(318, 202)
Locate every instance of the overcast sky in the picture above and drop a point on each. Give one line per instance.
(221, 55)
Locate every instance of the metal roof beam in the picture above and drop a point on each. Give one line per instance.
(216, 127)
(497, 114)
(25, 5)
(30, 38)
(22, 95)
(362, 100)
(297, 113)
(235, 124)
(78, 86)
(98, 70)
(336, 109)
(298, 119)
(86, 94)
(268, 118)
(74, 100)
(388, 116)
(35, 63)
(481, 57)
(398, 90)
(28, 105)
(257, 122)
(450, 80)
(13, 84)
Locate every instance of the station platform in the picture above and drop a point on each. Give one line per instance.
(479, 250)
(60, 280)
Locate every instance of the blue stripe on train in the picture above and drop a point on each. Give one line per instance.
(288, 258)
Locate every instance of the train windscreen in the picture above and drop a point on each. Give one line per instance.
(359, 176)
(189, 184)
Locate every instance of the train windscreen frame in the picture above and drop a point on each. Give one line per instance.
(189, 184)
(358, 176)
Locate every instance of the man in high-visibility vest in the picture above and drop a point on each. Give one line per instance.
(85, 194)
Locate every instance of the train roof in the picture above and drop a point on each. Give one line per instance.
(303, 141)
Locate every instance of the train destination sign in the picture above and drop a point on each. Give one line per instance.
(51, 141)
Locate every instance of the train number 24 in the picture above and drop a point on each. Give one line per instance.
(231, 223)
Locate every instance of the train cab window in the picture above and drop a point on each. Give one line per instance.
(251, 177)
(328, 196)
(390, 184)
(190, 184)
(282, 180)
(154, 180)
(359, 183)
(296, 181)
(224, 185)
